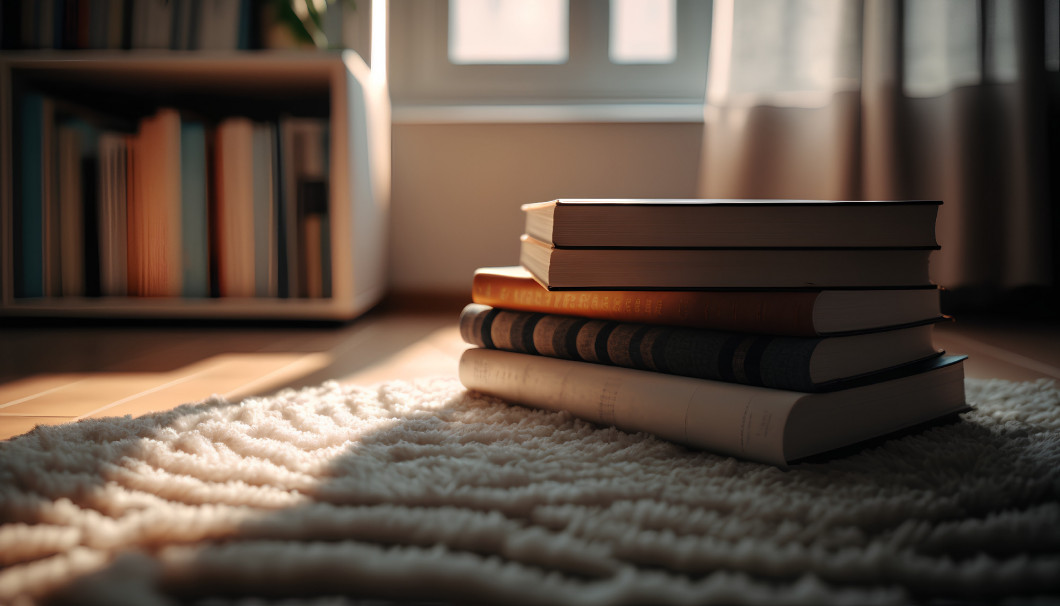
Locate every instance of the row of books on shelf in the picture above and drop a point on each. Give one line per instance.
(128, 24)
(720, 324)
(171, 205)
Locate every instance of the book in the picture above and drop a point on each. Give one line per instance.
(154, 208)
(53, 284)
(77, 169)
(798, 313)
(725, 268)
(266, 277)
(71, 212)
(809, 364)
(29, 212)
(777, 427)
(194, 213)
(304, 157)
(152, 24)
(235, 207)
(219, 24)
(733, 223)
(113, 182)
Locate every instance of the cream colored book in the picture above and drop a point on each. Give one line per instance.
(768, 425)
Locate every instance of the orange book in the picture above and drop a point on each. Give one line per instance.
(775, 312)
(154, 220)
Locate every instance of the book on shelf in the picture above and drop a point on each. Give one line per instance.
(53, 284)
(266, 259)
(56, 199)
(153, 24)
(113, 176)
(772, 426)
(77, 192)
(195, 225)
(72, 202)
(800, 313)
(809, 364)
(128, 24)
(235, 207)
(154, 210)
(29, 210)
(171, 204)
(723, 268)
(306, 246)
(714, 223)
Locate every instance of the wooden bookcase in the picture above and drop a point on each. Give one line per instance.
(260, 84)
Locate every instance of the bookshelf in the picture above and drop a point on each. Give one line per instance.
(261, 85)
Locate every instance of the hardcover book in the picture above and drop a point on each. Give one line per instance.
(235, 207)
(154, 211)
(733, 223)
(799, 313)
(729, 268)
(808, 364)
(194, 231)
(756, 423)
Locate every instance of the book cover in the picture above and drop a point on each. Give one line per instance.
(772, 426)
(800, 313)
(733, 223)
(808, 364)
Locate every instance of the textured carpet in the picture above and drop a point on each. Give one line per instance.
(422, 491)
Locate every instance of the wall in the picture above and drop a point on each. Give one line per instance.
(457, 188)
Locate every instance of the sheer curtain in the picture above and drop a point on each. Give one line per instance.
(882, 99)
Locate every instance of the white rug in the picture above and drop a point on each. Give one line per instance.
(421, 491)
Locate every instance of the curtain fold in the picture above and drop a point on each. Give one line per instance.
(931, 99)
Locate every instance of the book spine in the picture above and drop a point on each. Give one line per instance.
(767, 361)
(194, 221)
(777, 313)
(71, 205)
(29, 279)
(732, 419)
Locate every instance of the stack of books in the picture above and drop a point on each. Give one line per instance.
(771, 330)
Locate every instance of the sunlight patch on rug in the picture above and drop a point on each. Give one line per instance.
(423, 491)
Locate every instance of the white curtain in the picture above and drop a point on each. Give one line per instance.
(882, 99)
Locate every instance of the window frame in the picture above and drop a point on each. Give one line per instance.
(421, 74)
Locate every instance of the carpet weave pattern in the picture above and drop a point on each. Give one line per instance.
(423, 491)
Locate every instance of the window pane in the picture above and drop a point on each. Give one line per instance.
(507, 31)
(942, 48)
(643, 31)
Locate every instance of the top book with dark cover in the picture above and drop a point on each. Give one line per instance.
(719, 223)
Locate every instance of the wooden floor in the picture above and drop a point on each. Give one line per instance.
(52, 374)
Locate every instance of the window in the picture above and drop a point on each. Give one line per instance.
(507, 31)
(533, 52)
(643, 31)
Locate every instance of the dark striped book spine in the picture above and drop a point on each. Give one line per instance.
(767, 361)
